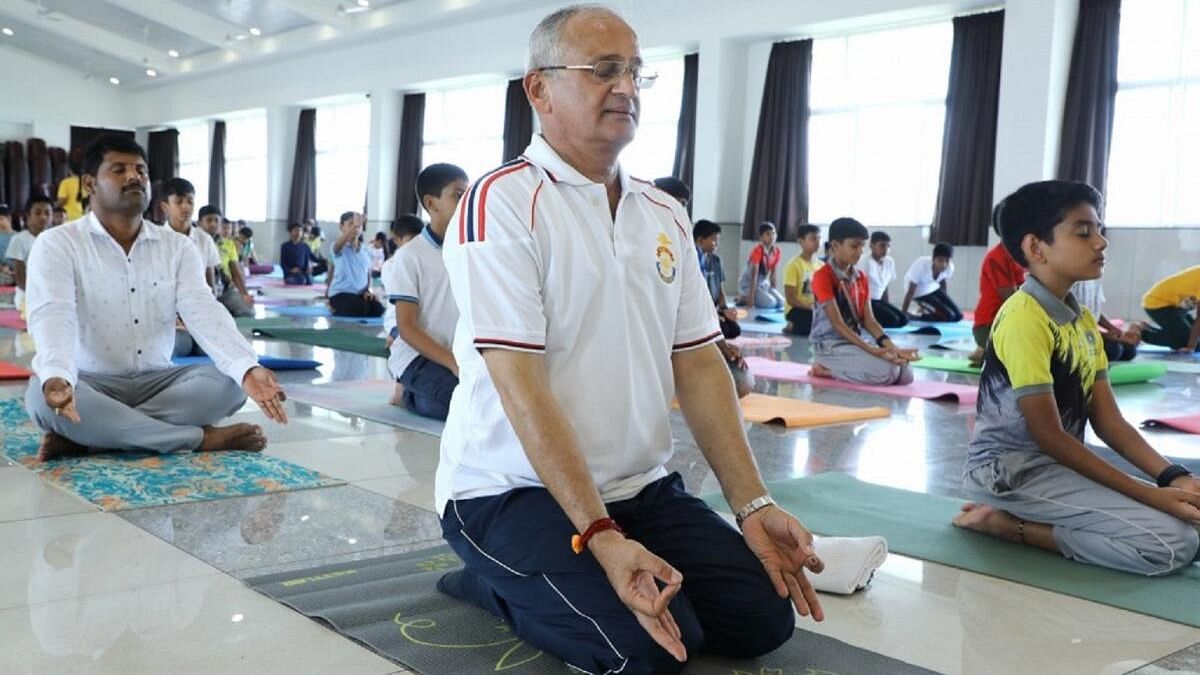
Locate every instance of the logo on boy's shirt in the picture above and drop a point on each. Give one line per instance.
(665, 259)
(1090, 336)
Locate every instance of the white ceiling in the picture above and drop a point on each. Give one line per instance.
(180, 38)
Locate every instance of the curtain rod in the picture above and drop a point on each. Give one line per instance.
(821, 35)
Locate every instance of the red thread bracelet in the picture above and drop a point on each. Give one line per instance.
(579, 541)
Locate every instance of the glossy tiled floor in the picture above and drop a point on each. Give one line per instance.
(157, 590)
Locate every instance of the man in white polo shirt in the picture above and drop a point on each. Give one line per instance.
(583, 313)
(103, 295)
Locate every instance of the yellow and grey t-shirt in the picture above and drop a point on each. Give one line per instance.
(1040, 344)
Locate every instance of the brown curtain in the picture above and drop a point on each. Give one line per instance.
(685, 134)
(17, 170)
(1091, 94)
(58, 169)
(162, 151)
(964, 202)
(82, 137)
(412, 138)
(518, 120)
(39, 167)
(779, 173)
(302, 200)
(216, 167)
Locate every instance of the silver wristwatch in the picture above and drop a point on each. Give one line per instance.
(754, 505)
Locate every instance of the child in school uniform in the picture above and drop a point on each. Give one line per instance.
(927, 279)
(756, 286)
(1171, 303)
(881, 269)
(1045, 377)
(797, 281)
(999, 278)
(403, 230)
(421, 359)
(847, 342)
(1119, 344)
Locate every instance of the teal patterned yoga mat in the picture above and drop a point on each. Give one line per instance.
(129, 480)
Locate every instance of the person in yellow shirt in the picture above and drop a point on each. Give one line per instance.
(1171, 303)
(72, 195)
(797, 281)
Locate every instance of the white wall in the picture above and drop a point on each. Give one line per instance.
(43, 99)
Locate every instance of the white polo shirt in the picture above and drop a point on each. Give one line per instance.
(921, 274)
(879, 273)
(209, 255)
(418, 275)
(537, 264)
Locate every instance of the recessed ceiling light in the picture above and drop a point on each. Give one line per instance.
(150, 72)
(255, 32)
(239, 36)
(364, 3)
(114, 81)
(7, 31)
(172, 53)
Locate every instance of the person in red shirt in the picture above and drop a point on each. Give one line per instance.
(756, 286)
(847, 342)
(999, 277)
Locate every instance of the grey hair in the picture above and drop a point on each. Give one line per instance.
(546, 47)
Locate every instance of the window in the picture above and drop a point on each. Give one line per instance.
(343, 137)
(246, 167)
(465, 127)
(1156, 128)
(652, 153)
(878, 103)
(194, 152)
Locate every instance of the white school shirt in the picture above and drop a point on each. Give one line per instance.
(537, 264)
(209, 255)
(879, 274)
(1090, 293)
(93, 308)
(389, 310)
(921, 274)
(20, 246)
(419, 277)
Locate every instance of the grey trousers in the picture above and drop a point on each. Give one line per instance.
(851, 364)
(1091, 523)
(160, 411)
(234, 302)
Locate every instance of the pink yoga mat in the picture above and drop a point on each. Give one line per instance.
(745, 341)
(789, 371)
(11, 318)
(1188, 423)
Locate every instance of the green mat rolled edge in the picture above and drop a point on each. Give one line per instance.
(1118, 373)
(918, 525)
(333, 338)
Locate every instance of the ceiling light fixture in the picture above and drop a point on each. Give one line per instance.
(114, 81)
(150, 72)
(359, 6)
(239, 36)
(364, 3)
(172, 53)
(7, 31)
(255, 32)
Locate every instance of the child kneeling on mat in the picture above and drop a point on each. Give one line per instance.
(1045, 376)
(847, 342)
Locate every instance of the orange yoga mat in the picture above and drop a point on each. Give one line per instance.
(11, 371)
(796, 413)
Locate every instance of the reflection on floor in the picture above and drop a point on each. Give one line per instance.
(157, 590)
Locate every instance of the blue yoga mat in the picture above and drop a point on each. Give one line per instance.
(772, 317)
(268, 362)
(323, 311)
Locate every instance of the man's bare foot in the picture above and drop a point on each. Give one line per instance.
(819, 370)
(54, 446)
(988, 520)
(397, 395)
(233, 437)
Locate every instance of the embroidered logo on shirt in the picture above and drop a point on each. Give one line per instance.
(665, 259)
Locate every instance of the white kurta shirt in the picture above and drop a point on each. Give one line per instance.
(93, 308)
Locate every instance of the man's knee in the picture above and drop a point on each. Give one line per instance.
(754, 624)
(644, 655)
(216, 396)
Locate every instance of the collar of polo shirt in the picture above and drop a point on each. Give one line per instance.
(147, 233)
(1061, 312)
(542, 155)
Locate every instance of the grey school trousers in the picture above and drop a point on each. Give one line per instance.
(157, 411)
(1091, 523)
(849, 363)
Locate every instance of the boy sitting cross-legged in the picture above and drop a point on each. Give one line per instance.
(1045, 376)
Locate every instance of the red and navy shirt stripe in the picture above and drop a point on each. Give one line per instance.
(472, 225)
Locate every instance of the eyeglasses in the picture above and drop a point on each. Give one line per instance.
(608, 71)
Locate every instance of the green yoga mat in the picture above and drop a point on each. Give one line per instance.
(1118, 373)
(334, 338)
(918, 525)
